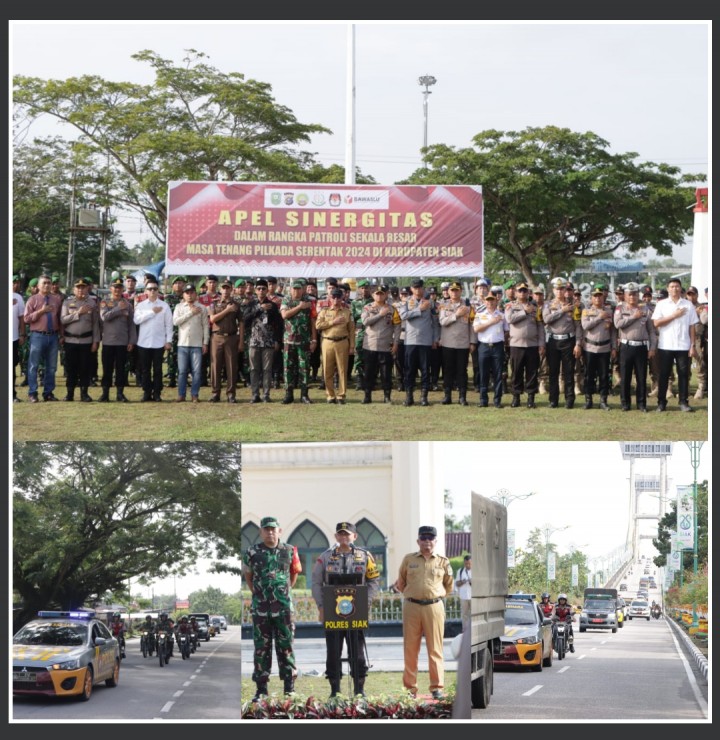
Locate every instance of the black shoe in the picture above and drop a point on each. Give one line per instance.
(255, 398)
(288, 396)
(231, 399)
(84, 396)
(330, 400)
(625, 407)
(386, 397)
(266, 398)
(436, 694)
(261, 692)
(604, 404)
(368, 397)
(49, 397)
(661, 407)
(515, 402)
(104, 396)
(289, 686)
(172, 384)
(686, 407)
(531, 401)
(409, 399)
(588, 403)
(214, 399)
(642, 408)
(68, 396)
(462, 400)
(304, 399)
(553, 404)
(424, 399)
(483, 404)
(33, 398)
(447, 399)
(341, 401)
(146, 398)
(570, 404)
(497, 404)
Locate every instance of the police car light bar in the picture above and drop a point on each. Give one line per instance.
(70, 615)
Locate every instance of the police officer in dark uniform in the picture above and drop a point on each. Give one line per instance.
(343, 559)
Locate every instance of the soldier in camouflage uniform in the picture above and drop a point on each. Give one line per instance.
(299, 339)
(271, 568)
(173, 299)
(339, 560)
(356, 307)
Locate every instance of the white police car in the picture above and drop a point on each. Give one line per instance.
(64, 653)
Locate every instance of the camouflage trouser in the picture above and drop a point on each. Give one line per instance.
(172, 363)
(296, 366)
(24, 354)
(280, 628)
(699, 362)
(359, 364)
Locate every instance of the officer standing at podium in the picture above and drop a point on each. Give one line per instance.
(340, 560)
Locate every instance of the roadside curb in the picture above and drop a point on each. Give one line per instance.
(700, 659)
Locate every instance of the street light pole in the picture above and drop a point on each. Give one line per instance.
(504, 497)
(427, 81)
(694, 448)
(548, 530)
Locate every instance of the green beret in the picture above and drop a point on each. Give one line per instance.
(239, 282)
(508, 284)
(33, 283)
(362, 283)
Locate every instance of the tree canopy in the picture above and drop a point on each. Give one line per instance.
(88, 517)
(553, 196)
(193, 123)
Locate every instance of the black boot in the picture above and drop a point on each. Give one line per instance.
(531, 401)
(424, 399)
(261, 690)
(386, 397)
(304, 398)
(70, 395)
(288, 396)
(368, 397)
(360, 687)
(104, 396)
(121, 396)
(588, 401)
(447, 400)
(266, 397)
(462, 400)
(334, 687)
(84, 395)
(289, 686)
(409, 399)
(604, 404)
(516, 401)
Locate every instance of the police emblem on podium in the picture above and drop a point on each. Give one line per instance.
(345, 607)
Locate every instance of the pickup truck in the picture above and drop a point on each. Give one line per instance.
(489, 589)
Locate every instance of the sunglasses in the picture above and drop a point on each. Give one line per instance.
(151, 289)
(426, 537)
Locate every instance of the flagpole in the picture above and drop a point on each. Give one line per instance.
(350, 109)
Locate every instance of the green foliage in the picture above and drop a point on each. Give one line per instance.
(301, 583)
(668, 525)
(553, 197)
(192, 123)
(116, 511)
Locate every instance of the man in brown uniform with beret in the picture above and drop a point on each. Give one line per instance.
(425, 579)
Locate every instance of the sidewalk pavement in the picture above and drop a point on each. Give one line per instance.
(385, 654)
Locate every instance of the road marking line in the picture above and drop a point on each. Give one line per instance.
(178, 694)
(167, 707)
(533, 690)
(564, 668)
(582, 657)
(187, 683)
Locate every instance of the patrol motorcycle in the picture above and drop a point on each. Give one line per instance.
(562, 631)
(163, 647)
(656, 611)
(183, 641)
(147, 643)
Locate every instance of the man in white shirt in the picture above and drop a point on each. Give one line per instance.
(463, 583)
(675, 318)
(491, 328)
(154, 320)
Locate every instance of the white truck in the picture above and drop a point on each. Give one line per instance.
(489, 589)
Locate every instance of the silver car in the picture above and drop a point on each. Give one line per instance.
(639, 609)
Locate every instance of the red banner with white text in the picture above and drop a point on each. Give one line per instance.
(317, 230)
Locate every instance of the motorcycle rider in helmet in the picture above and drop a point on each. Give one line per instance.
(165, 624)
(183, 628)
(546, 606)
(564, 613)
(149, 626)
(117, 627)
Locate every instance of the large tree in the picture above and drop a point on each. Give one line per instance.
(88, 517)
(553, 197)
(192, 123)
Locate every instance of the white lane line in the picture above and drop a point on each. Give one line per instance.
(582, 657)
(186, 684)
(178, 694)
(702, 704)
(533, 690)
(167, 707)
(564, 668)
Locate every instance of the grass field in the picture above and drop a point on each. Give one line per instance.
(355, 421)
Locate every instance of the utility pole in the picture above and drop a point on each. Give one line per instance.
(426, 81)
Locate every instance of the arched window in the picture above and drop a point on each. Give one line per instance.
(310, 542)
(249, 535)
(371, 538)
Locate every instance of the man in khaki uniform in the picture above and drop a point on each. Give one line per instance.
(527, 345)
(599, 340)
(225, 340)
(337, 329)
(424, 580)
(80, 318)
